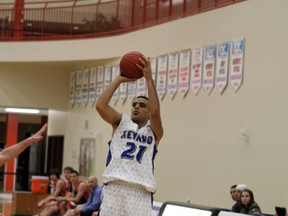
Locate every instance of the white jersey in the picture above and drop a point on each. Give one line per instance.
(131, 155)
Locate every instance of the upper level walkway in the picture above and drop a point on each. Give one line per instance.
(75, 19)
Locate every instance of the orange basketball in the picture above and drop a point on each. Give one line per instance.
(128, 67)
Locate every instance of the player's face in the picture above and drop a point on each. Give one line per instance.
(53, 177)
(67, 175)
(73, 178)
(140, 111)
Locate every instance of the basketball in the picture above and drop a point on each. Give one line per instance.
(128, 67)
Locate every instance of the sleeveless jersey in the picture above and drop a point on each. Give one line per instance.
(131, 155)
(63, 190)
(86, 194)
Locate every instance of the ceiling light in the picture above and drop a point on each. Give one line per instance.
(22, 110)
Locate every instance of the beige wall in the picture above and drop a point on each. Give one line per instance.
(201, 154)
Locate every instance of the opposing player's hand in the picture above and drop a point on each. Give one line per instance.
(39, 135)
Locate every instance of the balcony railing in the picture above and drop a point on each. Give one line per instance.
(74, 19)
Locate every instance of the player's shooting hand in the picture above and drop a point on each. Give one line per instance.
(146, 68)
(126, 79)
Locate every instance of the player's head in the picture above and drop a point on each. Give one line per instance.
(67, 170)
(140, 110)
(54, 174)
(74, 176)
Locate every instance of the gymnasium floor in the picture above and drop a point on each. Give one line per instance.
(6, 204)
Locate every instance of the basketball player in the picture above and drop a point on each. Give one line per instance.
(59, 189)
(80, 193)
(128, 178)
(13, 151)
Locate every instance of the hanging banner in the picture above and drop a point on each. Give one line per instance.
(79, 78)
(173, 66)
(107, 75)
(141, 87)
(92, 85)
(222, 63)
(123, 92)
(132, 89)
(100, 81)
(85, 85)
(209, 68)
(161, 76)
(72, 88)
(184, 71)
(236, 63)
(153, 62)
(115, 72)
(196, 69)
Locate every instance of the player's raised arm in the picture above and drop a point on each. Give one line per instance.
(14, 150)
(154, 105)
(109, 114)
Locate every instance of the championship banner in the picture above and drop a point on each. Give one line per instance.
(209, 68)
(72, 88)
(196, 69)
(132, 88)
(141, 87)
(92, 85)
(107, 75)
(115, 72)
(184, 69)
(153, 62)
(161, 75)
(123, 92)
(100, 81)
(85, 86)
(173, 66)
(237, 63)
(222, 63)
(78, 94)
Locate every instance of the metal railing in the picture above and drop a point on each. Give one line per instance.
(74, 19)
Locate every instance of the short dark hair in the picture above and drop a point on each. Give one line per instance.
(68, 168)
(74, 172)
(233, 186)
(55, 172)
(142, 96)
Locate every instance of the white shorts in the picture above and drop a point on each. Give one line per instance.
(125, 199)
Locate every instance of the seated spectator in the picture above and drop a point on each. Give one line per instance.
(79, 195)
(67, 171)
(232, 192)
(93, 203)
(237, 197)
(248, 205)
(59, 189)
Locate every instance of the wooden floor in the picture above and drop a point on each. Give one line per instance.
(6, 203)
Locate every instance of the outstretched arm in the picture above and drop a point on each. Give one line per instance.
(154, 105)
(16, 149)
(109, 114)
